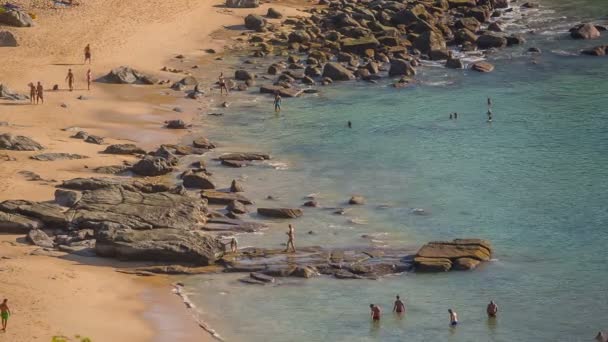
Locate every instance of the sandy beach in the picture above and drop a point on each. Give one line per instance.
(62, 295)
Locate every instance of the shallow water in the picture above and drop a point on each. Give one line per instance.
(533, 182)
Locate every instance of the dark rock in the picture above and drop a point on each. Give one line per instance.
(14, 17)
(159, 245)
(495, 26)
(280, 212)
(490, 40)
(337, 72)
(356, 200)
(124, 149)
(254, 22)
(298, 36)
(81, 135)
(431, 43)
(236, 186)
(39, 238)
(217, 197)
(50, 214)
(534, 50)
(175, 124)
(12, 223)
(67, 198)
(401, 67)
(111, 169)
(234, 163)
(197, 180)
(18, 143)
(454, 63)
(242, 3)
(585, 31)
(274, 13)
(243, 75)
(7, 39)
(284, 92)
(82, 184)
(244, 156)
(482, 66)
(127, 75)
(152, 166)
(595, 51)
(468, 23)
(305, 272)
(359, 45)
(312, 204)
(262, 277)
(203, 143)
(515, 40)
(94, 139)
(57, 156)
(236, 207)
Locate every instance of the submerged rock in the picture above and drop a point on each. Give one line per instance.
(218, 197)
(245, 156)
(288, 213)
(482, 66)
(585, 31)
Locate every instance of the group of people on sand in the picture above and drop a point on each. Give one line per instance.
(5, 313)
(399, 309)
(37, 90)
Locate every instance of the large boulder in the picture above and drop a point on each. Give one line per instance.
(242, 3)
(12, 223)
(67, 198)
(159, 245)
(218, 197)
(18, 143)
(243, 75)
(337, 72)
(40, 238)
(459, 254)
(198, 180)
(431, 43)
(401, 67)
(284, 92)
(127, 75)
(124, 149)
(152, 166)
(50, 214)
(7, 39)
(280, 212)
(254, 22)
(482, 66)
(274, 13)
(491, 40)
(359, 45)
(10, 17)
(244, 156)
(585, 31)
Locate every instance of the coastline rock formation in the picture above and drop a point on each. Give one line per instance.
(242, 3)
(127, 75)
(459, 254)
(7, 39)
(18, 143)
(16, 18)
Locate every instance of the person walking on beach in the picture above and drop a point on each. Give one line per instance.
(492, 309)
(222, 82)
(291, 235)
(277, 102)
(233, 245)
(399, 306)
(39, 93)
(89, 79)
(5, 312)
(32, 92)
(87, 54)
(453, 317)
(375, 312)
(70, 79)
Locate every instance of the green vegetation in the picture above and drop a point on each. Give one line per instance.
(76, 338)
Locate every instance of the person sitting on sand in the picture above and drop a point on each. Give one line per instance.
(291, 235)
(39, 93)
(453, 317)
(5, 313)
(32, 92)
(87, 54)
(492, 309)
(277, 102)
(233, 245)
(399, 306)
(375, 312)
(70, 79)
(89, 79)
(222, 83)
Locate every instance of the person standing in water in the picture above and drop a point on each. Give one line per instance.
(291, 235)
(87, 54)
(492, 309)
(39, 93)
(349, 124)
(489, 103)
(489, 115)
(455, 116)
(277, 102)
(70, 79)
(453, 317)
(89, 79)
(375, 312)
(32, 92)
(451, 116)
(5, 313)
(222, 83)
(399, 306)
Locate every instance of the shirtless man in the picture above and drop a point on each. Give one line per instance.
(222, 82)
(87, 54)
(233, 245)
(399, 306)
(39, 93)
(291, 235)
(5, 312)
(32, 92)
(70, 79)
(89, 79)
(492, 309)
(453, 317)
(375, 312)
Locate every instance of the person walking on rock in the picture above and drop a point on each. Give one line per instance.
(39, 93)
(5, 313)
(291, 235)
(70, 79)
(87, 54)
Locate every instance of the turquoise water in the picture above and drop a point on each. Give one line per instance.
(533, 182)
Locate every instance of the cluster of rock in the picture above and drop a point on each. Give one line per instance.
(347, 40)
(7, 94)
(459, 254)
(127, 75)
(12, 16)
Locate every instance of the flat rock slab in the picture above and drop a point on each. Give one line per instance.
(234, 163)
(57, 156)
(284, 92)
(18, 143)
(241, 156)
(218, 197)
(288, 213)
(459, 254)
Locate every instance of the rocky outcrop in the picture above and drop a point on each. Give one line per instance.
(13, 223)
(128, 75)
(18, 143)
(254, 22)
(244, 156)
(124, 149)
(585, 31)
(159, 245)
(7, 94)
(337, 72)
(152, 166)
(67, 198)
(491, 40)
(459, 254)
(51, 215)
(274, 13)
(596, 51)
(433, 44)
(218, 197)
(16, 18)
(57, 156)
(482, 66)
(242, 3)
(197, 180)
(288, 213)
(7, 39)
(284, 92)
(40, 238)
